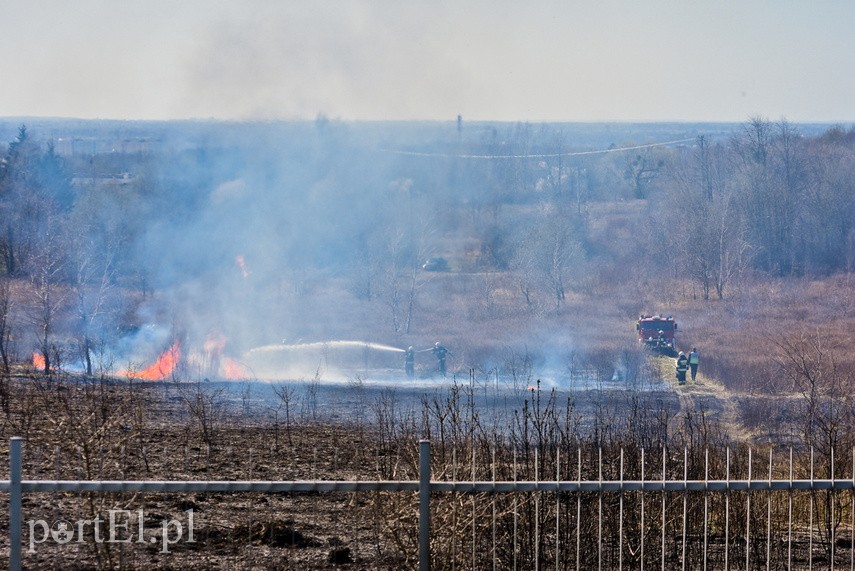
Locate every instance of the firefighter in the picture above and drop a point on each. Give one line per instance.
(682, 366)
(694, 359)
(661, 341)
(409, 360)
(440, 353)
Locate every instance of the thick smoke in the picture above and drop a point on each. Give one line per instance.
(244, 232)
(296, 249)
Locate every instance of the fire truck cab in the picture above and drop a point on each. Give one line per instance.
(657, 332)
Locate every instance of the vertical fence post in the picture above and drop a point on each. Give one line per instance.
(424, 505)
(15, 504)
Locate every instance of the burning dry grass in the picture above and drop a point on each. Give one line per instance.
(162, 368)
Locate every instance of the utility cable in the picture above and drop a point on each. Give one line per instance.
(540, 156)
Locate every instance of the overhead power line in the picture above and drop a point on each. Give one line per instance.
(538, 156)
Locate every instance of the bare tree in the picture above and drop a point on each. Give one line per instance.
(93, 275)
(715, 243)
(641, 170)
(6, 334)
(525, 267)
(707, 228)
(547, 254)
(402, 247)
(205, 406)
(6, 306)
(731, 250)
(47, 292)
(828, 214)
(288, 398)
(812, 365)
(773, 175)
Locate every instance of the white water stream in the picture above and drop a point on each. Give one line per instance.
(325, 345)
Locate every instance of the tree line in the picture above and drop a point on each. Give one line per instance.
(769, 200)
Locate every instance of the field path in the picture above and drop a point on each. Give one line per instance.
(708, 394)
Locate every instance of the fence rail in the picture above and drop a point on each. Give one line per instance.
(303, 486)
(16, 487)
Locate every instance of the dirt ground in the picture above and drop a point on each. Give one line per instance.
(112, 430)
(145, 433)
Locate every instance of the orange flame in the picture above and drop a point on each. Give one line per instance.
(162, 368)
(39, 362)
(234, 371)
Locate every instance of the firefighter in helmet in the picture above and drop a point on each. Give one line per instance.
(409, 360)
(682, 366)
(440, 353)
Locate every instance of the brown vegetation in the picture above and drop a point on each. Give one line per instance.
(108, 430)
(747, 242)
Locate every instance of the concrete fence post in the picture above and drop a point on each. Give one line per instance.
(424, 505)
(15, 504)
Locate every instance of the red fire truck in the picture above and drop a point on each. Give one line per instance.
(657, 332)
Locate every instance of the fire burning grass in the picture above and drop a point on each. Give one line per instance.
(214, 364)
(235, 371)
(162, 369)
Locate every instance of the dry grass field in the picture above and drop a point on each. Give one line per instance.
(776, 371)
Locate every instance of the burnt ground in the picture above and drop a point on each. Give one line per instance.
(112, 430)
(198, 431)
(116, 431)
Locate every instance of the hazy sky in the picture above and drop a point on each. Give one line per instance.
(562, 60)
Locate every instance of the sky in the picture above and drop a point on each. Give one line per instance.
(492, 60)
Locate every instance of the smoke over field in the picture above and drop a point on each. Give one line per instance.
(224, 244)
(212, 250)
(279, 272)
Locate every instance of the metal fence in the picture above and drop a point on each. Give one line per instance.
(826, 539)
